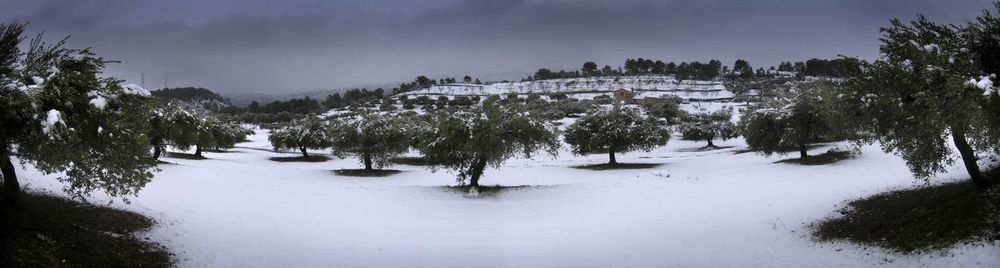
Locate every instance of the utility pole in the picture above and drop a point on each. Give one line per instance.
(142, 77)
(164, 83)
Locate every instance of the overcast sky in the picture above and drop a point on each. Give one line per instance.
(283, 46)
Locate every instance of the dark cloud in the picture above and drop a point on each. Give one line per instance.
(292, 46)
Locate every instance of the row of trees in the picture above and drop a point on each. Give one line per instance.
(470, 140)
(639, 66)
(422, 82)
(840, 68)
(296, 106)
(182, 126)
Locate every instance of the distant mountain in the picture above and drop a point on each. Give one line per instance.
(654, 86)
(193, 95)
(319, 95)
(189, 94)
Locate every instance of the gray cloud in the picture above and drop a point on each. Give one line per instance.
(275, 47)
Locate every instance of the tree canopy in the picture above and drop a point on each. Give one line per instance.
(617, 130)
(374, 138)
(708, 126)
(931, 82)
(486, 135)
(63, 118)
(801, 117)
(301, 135)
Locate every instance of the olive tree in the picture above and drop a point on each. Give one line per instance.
(58, 115)
(708, 126)
(374, 138)
(302, 135)
(928, 87)
(617, 130)
(485, 136)
(185, 126)
(794, 120)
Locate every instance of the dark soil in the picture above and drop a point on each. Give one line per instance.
(914, 220)
(47, 231)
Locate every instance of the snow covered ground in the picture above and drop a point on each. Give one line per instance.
(699, 209)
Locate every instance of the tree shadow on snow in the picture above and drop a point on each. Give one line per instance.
(186, 156)
(703, 149)
(161, 162)
(308, 159)
(788, 149)
(829, 157)
(366, 173)
(488, 192)
(606, 166)
(410, 161)
(915, 220)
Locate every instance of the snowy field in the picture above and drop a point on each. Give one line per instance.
(699, 209)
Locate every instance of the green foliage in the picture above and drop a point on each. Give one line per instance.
(486, 135)
(919, 92)
(188, 94)
(63, 118)
(617, 130)
(708, 126)
(184, 126)
(309, 133)
(666, 108)
(373, 138)
(805, 117)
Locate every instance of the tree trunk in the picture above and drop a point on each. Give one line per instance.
(611, 156)
(197, 150)
(304, 152)
(710, 144)
(156, 152)
(477, 172)
(368, 161)
(12, 189)
(969, 158)
(803, 153)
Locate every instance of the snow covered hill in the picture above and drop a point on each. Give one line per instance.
(590, 87)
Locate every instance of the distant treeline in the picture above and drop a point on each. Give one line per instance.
(422, 82)
(188, 94)
(639, 66)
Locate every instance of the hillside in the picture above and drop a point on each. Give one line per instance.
(202, 97)
(590, 87)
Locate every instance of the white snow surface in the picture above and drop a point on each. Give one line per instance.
(135, 89)
(715, 208)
